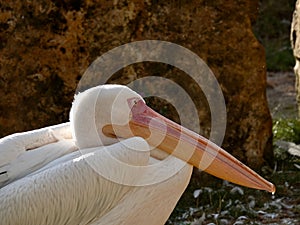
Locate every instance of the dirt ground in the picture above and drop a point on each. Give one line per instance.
(281, 94)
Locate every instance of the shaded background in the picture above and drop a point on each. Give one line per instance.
(272, 29)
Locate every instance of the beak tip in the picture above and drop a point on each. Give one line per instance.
(268, 186)
(272, 188)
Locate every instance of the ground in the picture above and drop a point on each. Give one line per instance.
(281, 94)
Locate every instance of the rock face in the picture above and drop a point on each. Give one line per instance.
(295, 42)
(46, 46)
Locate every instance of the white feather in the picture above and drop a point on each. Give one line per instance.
(23, 153)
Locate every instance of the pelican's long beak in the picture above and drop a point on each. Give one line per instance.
(186, 145)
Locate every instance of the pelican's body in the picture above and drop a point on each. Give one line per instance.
(73, 193)
(94, 170)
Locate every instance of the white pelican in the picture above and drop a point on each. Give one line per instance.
(45, 179)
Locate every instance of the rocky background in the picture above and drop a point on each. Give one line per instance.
(45, 47)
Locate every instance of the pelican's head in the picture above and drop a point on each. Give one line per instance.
(97, 107)
(104, 114)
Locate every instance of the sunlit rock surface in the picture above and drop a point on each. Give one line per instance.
(46, 46)
(295, 42)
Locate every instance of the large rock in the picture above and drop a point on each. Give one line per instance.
(46, 46)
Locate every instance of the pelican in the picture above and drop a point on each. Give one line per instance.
(116, 162)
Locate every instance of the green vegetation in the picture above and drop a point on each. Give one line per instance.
(286, 130)
(272, 29)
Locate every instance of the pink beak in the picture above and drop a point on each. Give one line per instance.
(187, 146)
